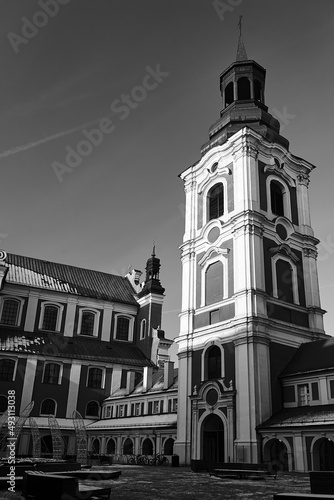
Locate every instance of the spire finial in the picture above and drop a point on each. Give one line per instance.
(241, 52)
(240, 24)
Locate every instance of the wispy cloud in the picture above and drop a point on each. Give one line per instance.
(30, 145)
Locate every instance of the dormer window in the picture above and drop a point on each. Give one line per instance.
(10, 311)
(216, 201)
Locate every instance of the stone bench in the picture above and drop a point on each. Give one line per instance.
(322, 482)
(41, 486)
(302, 496)
(239, 473)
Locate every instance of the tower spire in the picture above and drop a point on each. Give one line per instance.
(241, 51)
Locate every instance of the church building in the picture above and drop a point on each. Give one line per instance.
(250, 295)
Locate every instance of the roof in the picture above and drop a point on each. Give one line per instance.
(157, 386)
(73, 347)
(301, 416)
(155, 421)
(38, 273)
(312, 356)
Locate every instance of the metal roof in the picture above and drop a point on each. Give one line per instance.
(150, 421)
(47, 275)
(312, 357)
(301, 416)
(90, 349)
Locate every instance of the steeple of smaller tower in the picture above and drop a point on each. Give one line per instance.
(152, 279)
(241, 51)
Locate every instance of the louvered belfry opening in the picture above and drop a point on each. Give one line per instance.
(216, 201)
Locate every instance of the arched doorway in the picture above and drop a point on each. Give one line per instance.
(169, 446)
(46, 446)
(276, 455)
(323, 454)
(96, 446)
(128, 447)
(147, 448)
(213, 439)
(111, 447)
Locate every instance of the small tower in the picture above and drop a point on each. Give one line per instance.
(150, 299)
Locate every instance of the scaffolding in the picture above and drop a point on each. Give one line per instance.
(57, 440)
(36, 438)
(81, 437)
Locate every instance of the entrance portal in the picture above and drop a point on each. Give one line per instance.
(213, 439)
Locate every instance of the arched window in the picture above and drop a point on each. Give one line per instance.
(277, 198)
(10, 312)
(257, 90)
(214, 285)
(95, 378)
(122, 331)
(87, 323)
(48, 407)
(147, 448)
(111, 447)
(169, 446)
(216, 201)
(229, 98)
(143, 329)
(243, 88)
(214, 363)
(51, 373)
(7, 370)
(3, 404)
(284, 279)
(92, 409)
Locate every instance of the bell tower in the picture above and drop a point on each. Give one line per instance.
(250, 292)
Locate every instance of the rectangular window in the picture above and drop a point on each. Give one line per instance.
(315, 391)
(10, 310)
(137, 409)
(331, 386)
(155, 406)
(175, 404)
(150, 404)
(161, 406)
(121, 411)
(123, 379)
(108, 412)
(214, 317)
(51, 373)
(303, 395)
(132, 410)
(122, 329)
(94, 378)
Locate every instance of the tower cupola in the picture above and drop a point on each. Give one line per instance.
(242, 87)
(152, 279)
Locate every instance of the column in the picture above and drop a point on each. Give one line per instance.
(29, 382)
(70, 317)
(29, 325)
(106, 325)
(73, 389)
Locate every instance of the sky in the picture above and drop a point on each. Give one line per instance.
(138, 82)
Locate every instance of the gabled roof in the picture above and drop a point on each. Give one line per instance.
(301, 416)
(73, 347)
(38, 273)
(311, 357)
